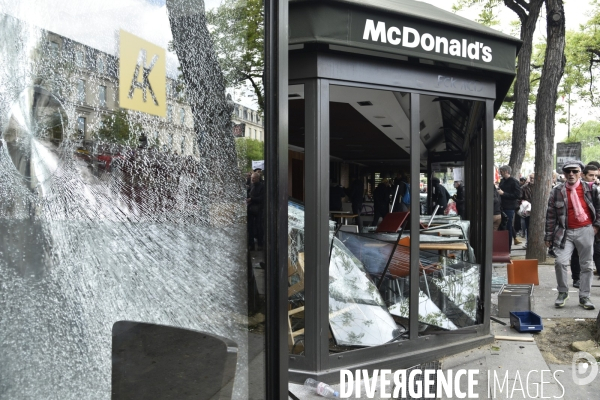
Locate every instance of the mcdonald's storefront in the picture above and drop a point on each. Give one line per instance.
(128, 267)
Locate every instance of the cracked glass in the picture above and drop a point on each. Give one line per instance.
(124, 235)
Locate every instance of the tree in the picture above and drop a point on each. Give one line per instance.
(528, 12)
(587, 133)
(237, 30)
(249, 150)
(552, 72)
(116, 128)
(502, 148)
(583, 59)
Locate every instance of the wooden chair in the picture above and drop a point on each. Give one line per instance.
(523, 272)
(500, 248)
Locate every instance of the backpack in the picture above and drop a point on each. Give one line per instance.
(406, 196)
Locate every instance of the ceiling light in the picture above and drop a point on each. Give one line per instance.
(365, 103)
(399, 138)
(387, 126)
(378, 116)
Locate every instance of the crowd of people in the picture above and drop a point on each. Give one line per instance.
(572, 222)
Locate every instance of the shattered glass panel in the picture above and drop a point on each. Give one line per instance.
(357, 312)
(449, 287)
(109, 214)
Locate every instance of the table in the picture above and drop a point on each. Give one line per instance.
(344, 217)
(449, 232)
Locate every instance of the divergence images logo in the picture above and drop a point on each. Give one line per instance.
(584, 373)
(142, 86)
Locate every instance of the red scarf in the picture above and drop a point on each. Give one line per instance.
(580, 214)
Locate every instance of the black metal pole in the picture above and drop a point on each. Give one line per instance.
(276, 165)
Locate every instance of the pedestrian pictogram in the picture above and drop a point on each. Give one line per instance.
(142, 75)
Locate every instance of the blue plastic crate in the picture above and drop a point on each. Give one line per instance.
(526, 321)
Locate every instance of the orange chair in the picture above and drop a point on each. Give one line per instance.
(523, 272)
(393, 222)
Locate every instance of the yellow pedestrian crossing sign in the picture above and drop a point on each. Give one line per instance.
(142, 75)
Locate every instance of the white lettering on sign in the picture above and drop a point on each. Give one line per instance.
(412, 38)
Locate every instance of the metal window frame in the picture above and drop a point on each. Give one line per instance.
(317, 362)
(276, 165)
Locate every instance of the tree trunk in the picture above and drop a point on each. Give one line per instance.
(522, 88)
(545, 106)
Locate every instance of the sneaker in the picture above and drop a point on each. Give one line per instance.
(516, 240)
(576, 283)
(561, 299)
(586, 303)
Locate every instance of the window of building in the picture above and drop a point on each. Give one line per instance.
(79, 58)
(81, 127)
(102, 95)
(81, 91)
(169, 113)
(181, 116)
(100, 65)
(245, 114)
(54, 47)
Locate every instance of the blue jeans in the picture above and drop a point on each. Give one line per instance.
(510, 215)
(525, 227)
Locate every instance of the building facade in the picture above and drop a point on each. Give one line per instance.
(250, 120)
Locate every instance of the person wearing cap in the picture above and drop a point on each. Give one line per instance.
(572, 221)
(588, 176)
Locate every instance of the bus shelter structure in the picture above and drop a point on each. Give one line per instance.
(379, 89)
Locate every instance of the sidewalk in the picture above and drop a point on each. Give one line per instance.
(517, 360)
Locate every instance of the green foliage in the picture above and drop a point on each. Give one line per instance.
(248, 150)
(503, 147)
(583, 57)
(116, 128)
(237, 30)
(487, 12)
(587, 133)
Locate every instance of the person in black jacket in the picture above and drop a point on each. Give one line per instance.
(510, 195)
(397, 192)
(459, 198)
(254, 204)
(381, 201)
(497, 209)
(336, 193)
(439, 195)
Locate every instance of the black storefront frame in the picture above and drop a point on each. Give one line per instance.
(317, 362)
(276, 164)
